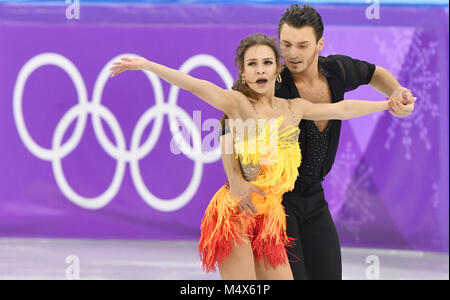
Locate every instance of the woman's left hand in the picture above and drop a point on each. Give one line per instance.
(137, 63)
(403, 102)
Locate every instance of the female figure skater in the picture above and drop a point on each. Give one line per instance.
(252, 246)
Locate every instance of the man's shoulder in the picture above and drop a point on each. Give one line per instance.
(353, 72)
(334, 65)
(341, 60)
(334, 60)
(334, 57)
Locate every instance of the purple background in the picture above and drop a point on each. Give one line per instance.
(388, 187)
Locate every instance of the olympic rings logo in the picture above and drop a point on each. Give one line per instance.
(80, 112)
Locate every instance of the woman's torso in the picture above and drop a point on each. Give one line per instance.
(280, 123)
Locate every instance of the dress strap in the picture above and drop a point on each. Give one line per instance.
(257, 116)
(290, 108)
(254, 107)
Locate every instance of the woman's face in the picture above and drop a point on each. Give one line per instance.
(260, 68)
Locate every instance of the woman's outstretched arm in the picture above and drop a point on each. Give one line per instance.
(222, 99)
(343, 110)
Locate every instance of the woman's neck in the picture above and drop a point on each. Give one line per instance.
(267, 100)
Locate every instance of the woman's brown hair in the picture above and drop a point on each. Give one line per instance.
(247, 42)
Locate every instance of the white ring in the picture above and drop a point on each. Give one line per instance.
(25, 72)
(120, 153)
(200, 60)
(108, 195)
(186, 196)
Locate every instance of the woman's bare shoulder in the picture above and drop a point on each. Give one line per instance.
(293, 100)
(300, 103)
(237, 95)
(298, 106)
(296, 100)
(242, 103)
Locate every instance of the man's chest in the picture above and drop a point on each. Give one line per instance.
(319, 93)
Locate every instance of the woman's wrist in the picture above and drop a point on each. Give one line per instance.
(148, 66)
(387, 104)
(236, 179)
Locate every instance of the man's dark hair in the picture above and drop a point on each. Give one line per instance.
(302, 15)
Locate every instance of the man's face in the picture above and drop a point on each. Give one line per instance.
(299, 47)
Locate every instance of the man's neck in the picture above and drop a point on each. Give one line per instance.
(308, 76)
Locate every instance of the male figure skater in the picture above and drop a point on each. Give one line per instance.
(317, 253)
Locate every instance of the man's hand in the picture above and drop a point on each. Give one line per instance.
(403, 103)
(243, 190)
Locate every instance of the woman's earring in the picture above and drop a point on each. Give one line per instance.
(279, 78)
(243, 81)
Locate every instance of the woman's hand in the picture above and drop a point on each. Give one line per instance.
(243, 190)
(220, 98)
(403, 103)
(137, 63)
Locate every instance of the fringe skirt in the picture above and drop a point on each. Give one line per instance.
(223, 227)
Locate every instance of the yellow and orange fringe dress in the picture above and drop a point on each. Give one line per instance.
(223, 226)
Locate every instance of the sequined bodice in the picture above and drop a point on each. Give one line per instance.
(251, 170)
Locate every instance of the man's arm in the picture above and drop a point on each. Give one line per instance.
(239, 187)
(357, 72)
(384, 82)
(230, 162)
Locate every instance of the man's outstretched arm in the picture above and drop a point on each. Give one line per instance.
(386, 83)
(357, 72)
